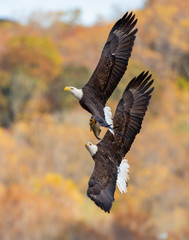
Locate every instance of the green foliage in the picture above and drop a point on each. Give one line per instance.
(183, 83)
(182, 128)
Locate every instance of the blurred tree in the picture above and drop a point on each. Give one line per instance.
(76, 76)
(28, 66)
(39, 153)
(53, 18)
(37, 56)
(164, 29)
(133, 224)
(183, 66)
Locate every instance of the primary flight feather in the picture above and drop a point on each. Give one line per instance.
(109, 71)
(108, 154)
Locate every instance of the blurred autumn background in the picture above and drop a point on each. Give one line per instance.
(44, 166)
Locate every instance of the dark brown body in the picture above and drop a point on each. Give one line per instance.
(111, 67)
(112, 148)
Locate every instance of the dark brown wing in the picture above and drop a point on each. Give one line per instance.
(103, 181)
(112, 148)
(130, 113)
(114, 58)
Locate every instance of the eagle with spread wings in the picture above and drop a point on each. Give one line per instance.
(109, 71)
(110, 166)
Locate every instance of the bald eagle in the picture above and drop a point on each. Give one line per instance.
(108, 153)
(110, 69)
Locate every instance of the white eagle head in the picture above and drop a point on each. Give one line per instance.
(78, 93)
(91, 148)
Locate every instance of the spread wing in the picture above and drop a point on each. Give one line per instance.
(112, 148)
(103, 181)
(114, 58)
(130, 112)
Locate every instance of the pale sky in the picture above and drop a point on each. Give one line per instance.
(20, 9)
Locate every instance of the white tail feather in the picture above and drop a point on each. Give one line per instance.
(108, 117)
(123, 176)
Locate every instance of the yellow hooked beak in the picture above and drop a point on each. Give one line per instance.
(68, 89)
(87, 145)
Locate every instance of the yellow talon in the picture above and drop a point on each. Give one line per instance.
(92, 121)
